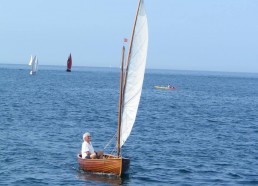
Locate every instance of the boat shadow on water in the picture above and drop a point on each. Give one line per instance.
(102, 178)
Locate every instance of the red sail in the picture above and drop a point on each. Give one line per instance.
(69, 62)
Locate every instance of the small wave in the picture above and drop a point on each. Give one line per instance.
(185, 171)
(254, 182)
(233, 175)
(29, 181)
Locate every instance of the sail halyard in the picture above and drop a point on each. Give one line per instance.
(134, 72)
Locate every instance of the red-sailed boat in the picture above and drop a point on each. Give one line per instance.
(69, 63)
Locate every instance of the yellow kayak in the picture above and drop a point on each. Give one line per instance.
(165, 87)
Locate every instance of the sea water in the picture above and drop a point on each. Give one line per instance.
(203, 133)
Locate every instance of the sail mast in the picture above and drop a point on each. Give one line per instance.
(123, 82)
(131, 42)
(120, 102)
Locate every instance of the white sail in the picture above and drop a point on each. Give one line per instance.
(31, 59)
(34, 65)
(135, 75)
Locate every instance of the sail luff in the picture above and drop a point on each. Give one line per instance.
(135, 68)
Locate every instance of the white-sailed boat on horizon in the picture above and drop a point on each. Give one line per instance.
(34, 64)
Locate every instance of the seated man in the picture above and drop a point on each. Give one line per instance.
(87, 150)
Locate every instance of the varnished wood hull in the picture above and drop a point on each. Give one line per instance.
(109, 164)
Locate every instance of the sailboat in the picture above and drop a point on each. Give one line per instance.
(131, 81)
(34, 64)
(69, 63)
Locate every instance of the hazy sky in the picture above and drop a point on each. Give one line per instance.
(213, 35)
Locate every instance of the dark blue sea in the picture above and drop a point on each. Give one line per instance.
(203, 133)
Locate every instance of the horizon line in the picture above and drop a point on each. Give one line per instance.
(165, 69)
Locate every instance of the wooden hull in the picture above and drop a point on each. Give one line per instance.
(109, 164)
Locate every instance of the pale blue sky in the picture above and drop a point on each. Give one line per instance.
(213, 35)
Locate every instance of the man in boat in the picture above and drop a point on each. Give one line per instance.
(171, 87)
(87, 150)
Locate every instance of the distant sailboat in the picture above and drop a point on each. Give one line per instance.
(34, 64)
(131, 81)
(69, 63)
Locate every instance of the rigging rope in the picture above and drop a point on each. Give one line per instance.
(109, 141)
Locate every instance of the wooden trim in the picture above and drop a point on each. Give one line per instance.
(110, 164)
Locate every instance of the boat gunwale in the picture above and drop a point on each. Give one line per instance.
(110, 157)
